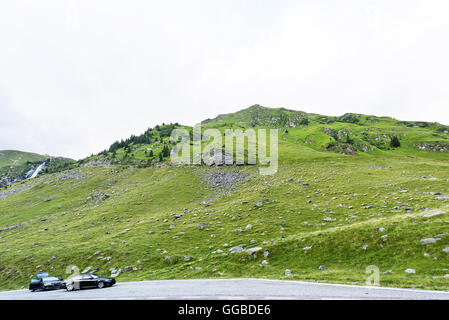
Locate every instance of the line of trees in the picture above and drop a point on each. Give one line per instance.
(149, 136)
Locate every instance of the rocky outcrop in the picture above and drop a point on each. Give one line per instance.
(433, 146)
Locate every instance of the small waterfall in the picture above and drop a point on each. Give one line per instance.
(37, 170)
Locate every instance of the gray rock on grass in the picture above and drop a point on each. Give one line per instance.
(253, 250)
(427, 241)
(236, 249)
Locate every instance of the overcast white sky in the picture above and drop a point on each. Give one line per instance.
(76, 75)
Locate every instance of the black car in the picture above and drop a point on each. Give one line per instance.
(85, 281)
(44, 282)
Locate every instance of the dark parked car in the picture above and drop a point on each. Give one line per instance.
(84, 281)
(44, 282)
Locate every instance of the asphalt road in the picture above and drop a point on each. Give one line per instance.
(238, 289)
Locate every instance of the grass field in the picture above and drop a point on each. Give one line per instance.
(15, 158)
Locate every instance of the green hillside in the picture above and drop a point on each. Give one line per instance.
(347, 196)
(16, 158)
(16, 165)
(348, 134)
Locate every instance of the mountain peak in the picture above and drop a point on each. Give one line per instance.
(257, 115)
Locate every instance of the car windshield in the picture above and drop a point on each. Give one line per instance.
(48, 279)
(94, 276)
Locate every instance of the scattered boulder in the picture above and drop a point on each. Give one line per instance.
(126, 269)
(125, 231)
(253, 250)
(236, 249)
(86, 270)
(427, 241)
(115, 273)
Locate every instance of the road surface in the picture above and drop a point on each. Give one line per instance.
(237, 289)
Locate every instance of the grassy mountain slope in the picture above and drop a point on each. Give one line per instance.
(347, 134)
(323, 207)
(16, 158)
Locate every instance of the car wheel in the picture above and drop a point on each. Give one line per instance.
(100, 284)
(70, 287)
(32, 290)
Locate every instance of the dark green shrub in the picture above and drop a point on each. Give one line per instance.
(394, 142)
